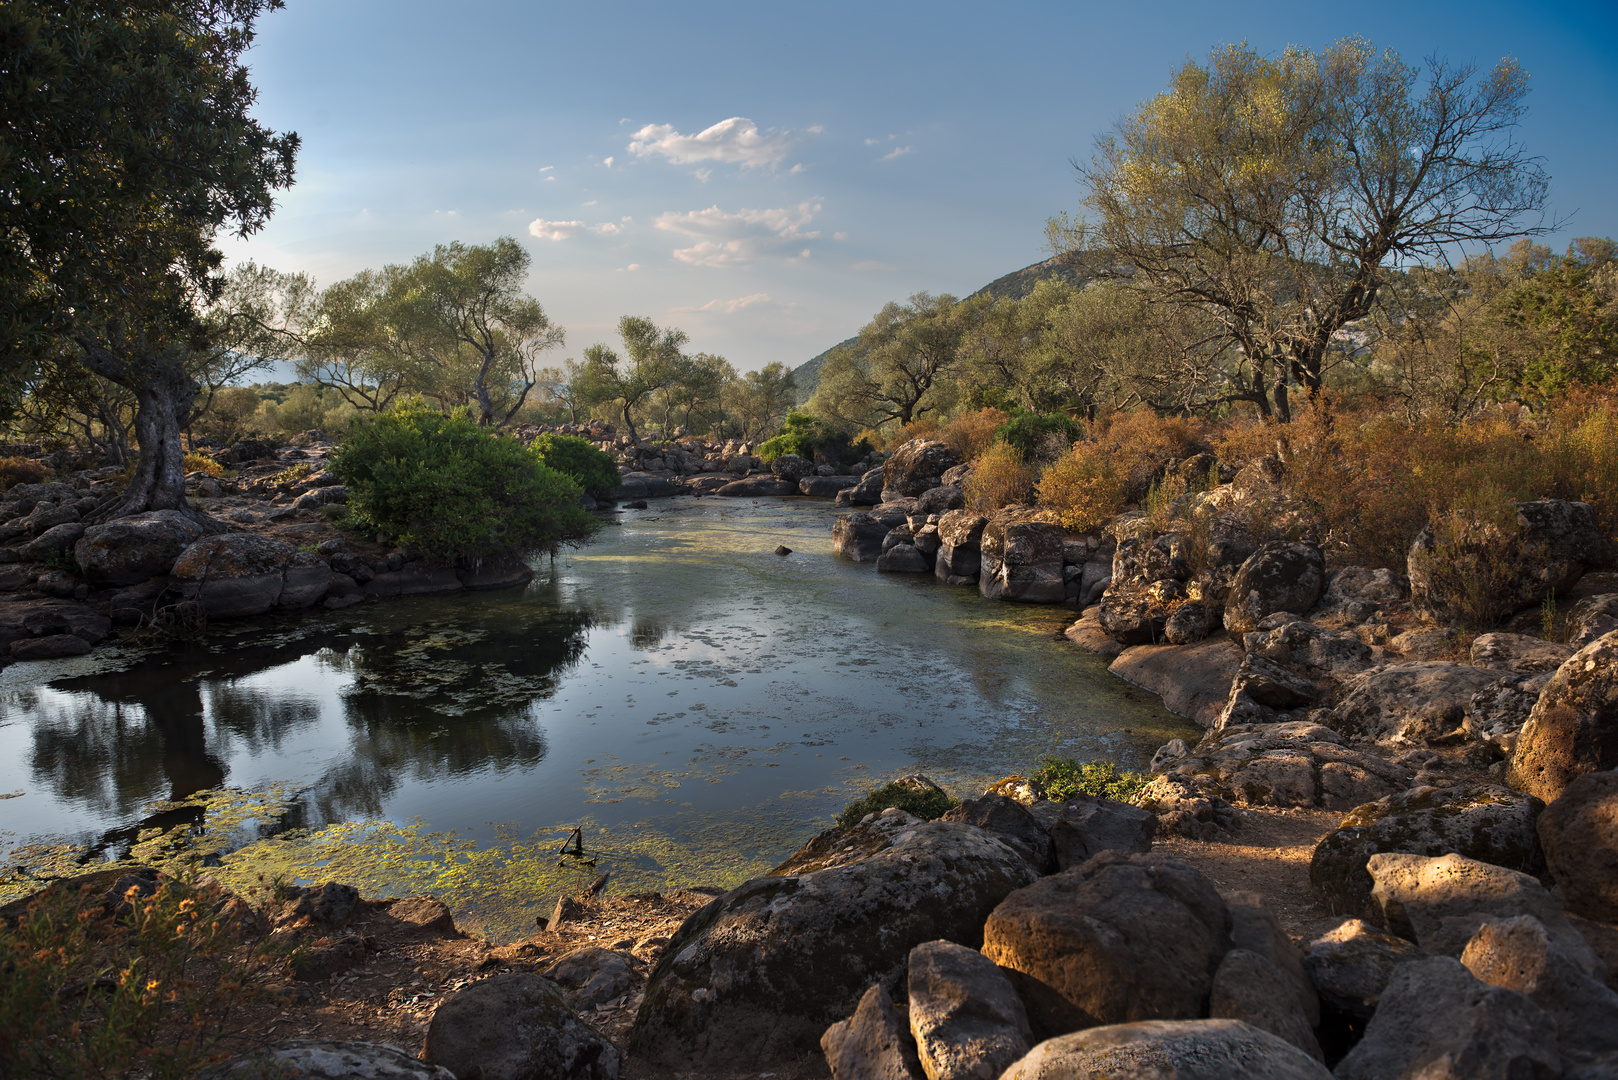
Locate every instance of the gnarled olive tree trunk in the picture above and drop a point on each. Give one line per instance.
(164, 394)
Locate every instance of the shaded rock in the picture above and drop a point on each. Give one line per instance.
(416, 579)
(515, 1026)
(1496, 714)
(822, 487)
(966, 1019)
(1437, 1022)
(325, 957)
(49, 647)
(1573, 728)
(916, 467)
(791, 468)
(235, 574)
(858, 537)
(592, 976)
(1579, 832)
(1520, 954)
(1122, 937)
(425, 915)
(327, 906)
(758, 975)
(940, 500)
(1143, 560)
(1439, 903)
(1350, 964)
(323, 1059)
(1094, 580)
(1519, 653)
(1255, 928)
(491, 573)
(1279, 576)
(1087, 634)
(39, 618)
(1133, 616)
(1190, 622)
(134, 549)
(758, 487)
(868, 491)
(1006, 820)
(1593, 617)
(1425, 643)
(1086, 825)
(1410, 703)
(56, 538)
(1268, 683)
(1250, 988)
(1168, 1050)
(1286, 764)
(1192, 680)
(903, 559)
(1489, 824)
(1021, 559)
(873, 1044)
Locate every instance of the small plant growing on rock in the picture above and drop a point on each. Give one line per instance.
(197, 461)
(924, 802)
(1065, 777)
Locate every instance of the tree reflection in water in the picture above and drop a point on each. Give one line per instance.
(444, 692)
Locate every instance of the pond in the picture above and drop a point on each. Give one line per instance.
(697, 705)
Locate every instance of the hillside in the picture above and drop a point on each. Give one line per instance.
(1012, 286)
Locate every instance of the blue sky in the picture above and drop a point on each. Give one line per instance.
(873, 150)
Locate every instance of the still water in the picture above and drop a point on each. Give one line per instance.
(698, 704)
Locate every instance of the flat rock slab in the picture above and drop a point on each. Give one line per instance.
(1088, 635)
(1193, 680)
(1168, 1050)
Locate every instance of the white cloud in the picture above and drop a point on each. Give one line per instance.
(702, 175)
(897, 151)
(592, 202)
(731, 239)
(730, 307)
(547, 168)
(872, 264)
(553, 230)
(607, 161)
(631, 267)
(736, 141)
(607, 229)
(839, 236)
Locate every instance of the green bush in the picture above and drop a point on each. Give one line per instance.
(455, 490)
(573, 457)
(1027, 432)
(925, 803)
(811, 438)
(1065, 777)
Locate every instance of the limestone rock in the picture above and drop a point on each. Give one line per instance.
(1322, 652)
(592, 976)
(916, 467)
(322, 1059)
(873, 1044)
(1022, 559)
(133, 549)
(1489, 824)
(515, 1026)
(858, 537)
(1255, 928)
(868, 491)
(1143, 561)
(1295, 763)
(967, 1020)
(1280, 576)
(1133, 616)
(1250, 988)
(1496, 714)
(1088, 635)
(235, 574)
(1519, 652)
(791, 468)
(1436, 1022)
(822, 487)
(1084, 826)
(1579, 832)
(1351, 961)
(1011, 824)
(757, 976)
(940, 500)
(1573, 728)
(1439, 903)
(757, 487)
(1379, 588)
(55, 539)
(1593, 617)
(1122, 937)
(1186, 810)
(1410, 703)
(903, 559)
(1520, 954)
(960, 545)
(1192, 680)
(1168, 1050)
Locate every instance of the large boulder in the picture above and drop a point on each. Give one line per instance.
(1519, 652)
(940, 500)
(1192, 680)
(822, 487)
(1322, 652)
(967, 1020)
(1281, 575)
(757, 976)
(516, 1026)
(1573, 728)
(1251, 988)
(1350, 962)
(872, 1044)
(1168, 1050)
(1439, 903)
(1255, 927)
(916, 467)
(1593, 617)
(1022, 559)
(1084, 826)
(1122, 937)
(235, 574)
(1437, 1022)
(1007, 820)
(1496, 714)
(757, 487)
(858, 537)
(130, 550)
(1133, 615)
(328, 1059)
(1579, 832)
(1410, 703)
(903, 558)
(1291, 764)
(57, 538)
(960, 547)
(591, 976)
(1490, 824)
(1520, 954)
(867, 491)
(791, 468)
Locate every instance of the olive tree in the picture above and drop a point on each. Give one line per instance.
(895, 369)
(1277, 194)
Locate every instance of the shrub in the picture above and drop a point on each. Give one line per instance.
(969, 434)
(1065, 777)
(1142, 443)
(1085, 488)
(197, 461)
(1001, 477)
(809, 437)
(576, 458)
(1028, 433)
(20, 470)
(925, 803)
(454, 490)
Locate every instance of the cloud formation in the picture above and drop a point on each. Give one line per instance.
(553, 230)
(736, 141)
(733, 239)
(897, 151)
(730, 307)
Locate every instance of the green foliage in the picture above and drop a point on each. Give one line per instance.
(1065, 777)
(88, 993)
(577, 459)
(812, 438)
(1028, 432)
(924, 803)
(455, 490)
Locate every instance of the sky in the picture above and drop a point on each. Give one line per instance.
(765, 176)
